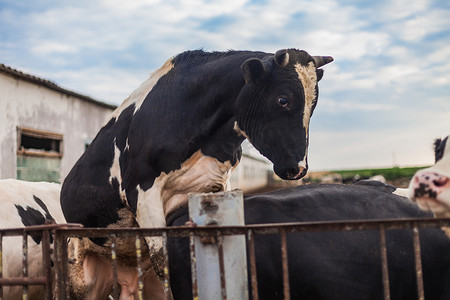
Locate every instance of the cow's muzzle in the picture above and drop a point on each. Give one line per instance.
(292, 174)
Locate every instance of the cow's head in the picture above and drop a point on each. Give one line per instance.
(275, 105)
(430, 187)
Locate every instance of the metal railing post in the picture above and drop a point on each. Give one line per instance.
(221, 260)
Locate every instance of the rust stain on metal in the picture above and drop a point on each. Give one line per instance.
(115, 294)
(25, 264)
(251, 247)
(209, 205)
(223, 284)
(167, 290)
(193, 266)
(139, 268)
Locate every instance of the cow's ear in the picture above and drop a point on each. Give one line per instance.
(319, 73)
(254, 70)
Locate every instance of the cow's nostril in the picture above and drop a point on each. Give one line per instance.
(441, 181)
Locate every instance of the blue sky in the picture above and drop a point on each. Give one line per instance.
(382, 101)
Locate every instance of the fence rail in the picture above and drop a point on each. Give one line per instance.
(57, 287)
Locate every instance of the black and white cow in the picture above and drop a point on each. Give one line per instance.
(36, 203)
(181, 132)
(332, 265)
(430, 187)
(26, 204)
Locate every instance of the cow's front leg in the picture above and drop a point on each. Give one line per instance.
(150, 214)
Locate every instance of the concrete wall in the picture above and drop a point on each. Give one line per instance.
(26, 104)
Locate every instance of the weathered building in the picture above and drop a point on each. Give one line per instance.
(43, 128)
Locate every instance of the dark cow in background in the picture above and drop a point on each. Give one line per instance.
(332, 265)
(430, 187)
(181, 132)
(26, 203)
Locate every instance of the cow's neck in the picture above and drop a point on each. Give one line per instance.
(207, 170)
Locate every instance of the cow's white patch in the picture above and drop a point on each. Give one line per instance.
(138, 96)
(198, 174)
(401, 192)
(308, 78)
(114, 171)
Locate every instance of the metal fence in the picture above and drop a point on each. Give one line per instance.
(58, 288)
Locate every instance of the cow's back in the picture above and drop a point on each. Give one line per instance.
(334, 265)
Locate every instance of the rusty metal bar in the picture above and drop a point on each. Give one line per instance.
(284, 261)
(46, 265)
(223, 284)
(65, 271)
(384, 264)
(115, 294)
(25, 264)
(418, 263)
(193, 266)
(139, 267)
(57, 247)
(167, 291)
(251, 250)
(271, 228)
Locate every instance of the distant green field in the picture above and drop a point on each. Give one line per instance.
(389, 173)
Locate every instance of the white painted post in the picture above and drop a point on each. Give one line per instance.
(225, 208)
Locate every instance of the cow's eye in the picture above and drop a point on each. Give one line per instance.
(282, 102)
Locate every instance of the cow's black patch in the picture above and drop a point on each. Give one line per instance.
(30, 217)
(48, 217)
(439, 149)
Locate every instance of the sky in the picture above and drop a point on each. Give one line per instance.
(382, 102)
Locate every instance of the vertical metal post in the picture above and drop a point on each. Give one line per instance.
(167, 290)
(193, 266)
(65, 265)
(251, 249)
(25, 264)
(418, 261)
(284, 259)
(47, 266)
(139, 268)
(224, 208)
(384, 263)
(115, 294)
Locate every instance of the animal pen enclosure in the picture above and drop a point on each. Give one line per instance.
(55, 281)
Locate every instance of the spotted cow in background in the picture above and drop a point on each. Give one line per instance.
(181, 132)
(26, 204)
(430, 187)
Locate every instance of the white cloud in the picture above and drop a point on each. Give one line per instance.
(106, 48)
(401, 9)
(420, 26)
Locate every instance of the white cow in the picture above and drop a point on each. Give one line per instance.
(34, 203)
(430, 187)
(26, 203)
